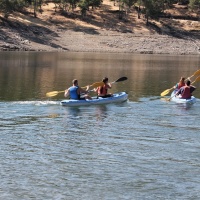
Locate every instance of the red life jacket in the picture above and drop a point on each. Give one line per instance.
(186, 94)
(180, 84)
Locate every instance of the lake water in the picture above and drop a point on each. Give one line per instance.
(145, 148)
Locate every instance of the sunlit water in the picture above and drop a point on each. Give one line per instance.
(145, 148)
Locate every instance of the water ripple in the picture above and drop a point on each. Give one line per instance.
(141, 150)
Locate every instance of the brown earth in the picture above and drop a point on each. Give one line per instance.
(101, 31)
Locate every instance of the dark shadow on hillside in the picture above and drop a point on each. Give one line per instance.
(71, 25)
(154, 28)
(24, 34)
(104, 19)
(175, 30)
(91, 31)
(112, 22)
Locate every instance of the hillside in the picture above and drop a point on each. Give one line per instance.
(101, 31)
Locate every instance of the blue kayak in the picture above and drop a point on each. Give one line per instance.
(116, 98)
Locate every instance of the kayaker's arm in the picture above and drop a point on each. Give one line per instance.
(192, 89)
(178, 92)
(109, 85)
(81, 91)
(175, 86)
(66, 94)
(95, 89)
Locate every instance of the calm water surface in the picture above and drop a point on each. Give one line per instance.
(145, 148)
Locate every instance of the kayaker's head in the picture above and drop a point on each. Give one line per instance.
(75, 82)
(105, 80)
(188, 82)
(182, 79)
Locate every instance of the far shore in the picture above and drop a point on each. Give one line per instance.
(60, 33)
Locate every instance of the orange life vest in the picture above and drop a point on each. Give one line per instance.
(102, 91)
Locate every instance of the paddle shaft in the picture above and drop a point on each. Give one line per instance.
(195, 73)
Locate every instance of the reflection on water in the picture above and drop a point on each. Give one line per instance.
(30, 75)
(72, 112)
(101, 113)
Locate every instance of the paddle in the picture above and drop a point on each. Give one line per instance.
(195, 73)
(196, 80)
(97, 84)
(165, 92)
(54, 93)
(120, 79)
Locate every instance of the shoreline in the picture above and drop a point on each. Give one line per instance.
(101, 41)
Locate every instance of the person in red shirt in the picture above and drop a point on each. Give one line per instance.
(185, 92)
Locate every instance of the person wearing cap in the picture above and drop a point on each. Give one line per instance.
(185, 92)
(75, 91)
(102, 91)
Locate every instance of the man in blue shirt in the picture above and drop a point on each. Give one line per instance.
(75, 91)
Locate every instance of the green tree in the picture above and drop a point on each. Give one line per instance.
(37, 5)
(124, 7)
(73, 4)
(5, 7)
(85, 4)
(8, 6)
(152, 9)
(194, 5)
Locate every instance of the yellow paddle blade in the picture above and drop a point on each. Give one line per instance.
(166, 92)
(197, 79)
(53, 93)
(195, 73)
(97, 84)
